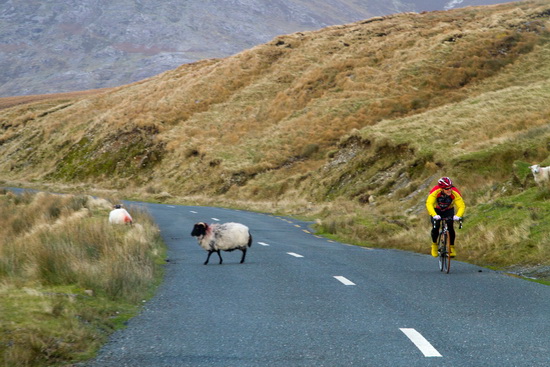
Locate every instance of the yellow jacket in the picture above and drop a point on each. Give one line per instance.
(436, 199)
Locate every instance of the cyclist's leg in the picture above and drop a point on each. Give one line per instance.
(452, 233)
(435, 229)
(434, 234)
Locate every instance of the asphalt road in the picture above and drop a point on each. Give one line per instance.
(302, 300)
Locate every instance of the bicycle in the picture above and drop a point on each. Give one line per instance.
(444, 244)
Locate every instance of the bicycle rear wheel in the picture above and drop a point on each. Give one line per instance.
(448, 247)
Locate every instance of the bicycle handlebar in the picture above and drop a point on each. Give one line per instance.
(450, 218)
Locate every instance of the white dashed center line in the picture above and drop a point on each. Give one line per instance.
(421, 343)
(294, 254)
(263, 243)
(344, 280)
(216, 219)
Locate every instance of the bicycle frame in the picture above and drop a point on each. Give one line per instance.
(444, 244)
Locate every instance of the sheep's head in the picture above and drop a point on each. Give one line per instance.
(534, 168)
(199, 229)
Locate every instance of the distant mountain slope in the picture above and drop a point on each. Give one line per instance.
(52, 46)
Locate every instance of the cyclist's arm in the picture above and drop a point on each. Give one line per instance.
(460, 205)
(430, 203)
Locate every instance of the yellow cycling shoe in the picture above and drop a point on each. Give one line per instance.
(434, 249)
(453, 251)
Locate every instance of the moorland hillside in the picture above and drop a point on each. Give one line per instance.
(349, 124)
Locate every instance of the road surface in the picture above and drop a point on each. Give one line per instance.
(303, 300)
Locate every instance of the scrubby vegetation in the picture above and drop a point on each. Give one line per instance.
(67, 277)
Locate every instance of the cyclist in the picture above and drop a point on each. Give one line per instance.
(441, 203)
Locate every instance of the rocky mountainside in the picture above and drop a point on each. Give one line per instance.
(52, 46)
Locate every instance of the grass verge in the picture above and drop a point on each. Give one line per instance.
(68, 278)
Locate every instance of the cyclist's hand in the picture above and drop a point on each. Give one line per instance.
(456, 218)
(437, 217)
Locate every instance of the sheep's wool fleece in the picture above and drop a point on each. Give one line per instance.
(226, 236)
(119, 216)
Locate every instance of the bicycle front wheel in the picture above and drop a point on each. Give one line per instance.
(443, 253)
(448, 260)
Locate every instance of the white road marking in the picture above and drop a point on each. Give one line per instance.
(306, 231)
(294, 254)
(297, 226)
(344, 280)
(421, 343)
(194, 212)
(216, 219)
(170, 206)
(263, 243)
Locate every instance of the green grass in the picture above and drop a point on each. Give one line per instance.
(539, 281)
(45, 326)
(513, 229)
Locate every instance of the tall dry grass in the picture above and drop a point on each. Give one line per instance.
(58, 240)
(68, 277)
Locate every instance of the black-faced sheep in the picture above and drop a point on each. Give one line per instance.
(119, 215)
(540, 174)
(224, 237)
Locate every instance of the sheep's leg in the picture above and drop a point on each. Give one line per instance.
(208, 257)
(244, 255)
(220, 256)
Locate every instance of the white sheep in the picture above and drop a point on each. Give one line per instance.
(224, 237)
(540, 174)
(119, 215)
